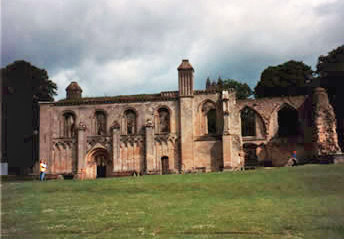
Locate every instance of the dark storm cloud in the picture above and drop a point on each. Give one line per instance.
(129, 47)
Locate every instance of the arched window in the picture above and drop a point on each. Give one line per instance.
(211, 118)
(248, 122)
(68, 125)
(100, 123)
(164, 120)
(208, 123)
(288, 124)
(130, 121)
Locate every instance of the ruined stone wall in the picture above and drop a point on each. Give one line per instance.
(272, 149)
(63, 152)
(324, 130)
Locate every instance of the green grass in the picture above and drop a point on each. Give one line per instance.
(299, 202)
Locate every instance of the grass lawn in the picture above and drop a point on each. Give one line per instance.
(299, 202)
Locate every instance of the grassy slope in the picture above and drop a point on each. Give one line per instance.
(301, 202)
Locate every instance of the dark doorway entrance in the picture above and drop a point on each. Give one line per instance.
(164, 165)
(250, 155)
(101, 171)
(101, 165)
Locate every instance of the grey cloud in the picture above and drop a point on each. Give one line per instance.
(128, 47)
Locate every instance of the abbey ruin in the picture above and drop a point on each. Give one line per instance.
(182, 131)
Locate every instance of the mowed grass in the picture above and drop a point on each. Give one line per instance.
(299, 202)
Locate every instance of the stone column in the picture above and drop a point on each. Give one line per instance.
(226, 137)
(324, 129)
(81, 150)
(231, 137)
(116, 147)
(186, 133)
(149, 146)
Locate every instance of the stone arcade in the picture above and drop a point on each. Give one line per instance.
(181, 131)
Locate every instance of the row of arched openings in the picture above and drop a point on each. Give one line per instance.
(288, 123)
(129, 122)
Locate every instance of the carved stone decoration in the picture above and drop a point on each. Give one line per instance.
(82, 126)
(115, 125)
(130, 139)
(149, 123)
(165, 138)
(106, 142)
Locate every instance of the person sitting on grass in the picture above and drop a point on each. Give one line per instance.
(43, 168)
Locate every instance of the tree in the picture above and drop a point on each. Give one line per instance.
(289, 78)
(330, 70)
(24, 85)
(243, 91)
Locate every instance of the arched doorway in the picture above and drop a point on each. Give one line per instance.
(164, 165)
(99, 164)
(250, 155)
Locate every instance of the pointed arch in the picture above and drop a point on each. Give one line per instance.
(207, 112)
(248, 121)
(100, 122)
(99, 163)
(163, 120)
(252, 123)
(69, 124)
(129, 122)
(288, 122)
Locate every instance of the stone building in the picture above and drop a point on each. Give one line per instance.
(181, 131)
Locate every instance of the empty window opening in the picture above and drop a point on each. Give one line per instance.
(69, 125)
(131, 122)
(100, 123)
(164, 120)
(211, 118)
(248, 122)
(288, 122)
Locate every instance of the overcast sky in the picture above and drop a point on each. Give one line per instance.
(132, 47)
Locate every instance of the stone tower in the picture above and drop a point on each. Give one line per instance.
(185, 77)
(73, 91)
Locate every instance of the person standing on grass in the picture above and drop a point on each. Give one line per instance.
(43, 168)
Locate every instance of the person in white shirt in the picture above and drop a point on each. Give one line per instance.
(43, 168)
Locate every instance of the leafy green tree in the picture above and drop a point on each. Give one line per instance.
(289, 78)
(243, 91)
(330, 69)
(24, 85)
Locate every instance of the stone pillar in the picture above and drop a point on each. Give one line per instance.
(325, 140)
(186, 133)
(231, 137)
(149, 146)
(115, 128)
(81, 150)
(226, 137)
(186, 78)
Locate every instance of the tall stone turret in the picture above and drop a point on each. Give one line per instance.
(185, 77)
(73, 91)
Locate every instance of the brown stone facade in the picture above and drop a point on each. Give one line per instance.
(180, 131)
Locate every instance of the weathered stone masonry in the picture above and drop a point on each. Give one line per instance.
(180, 131)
